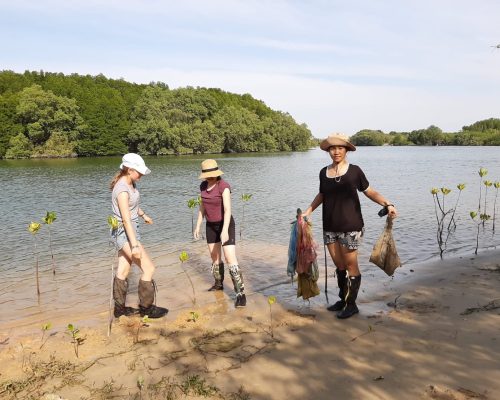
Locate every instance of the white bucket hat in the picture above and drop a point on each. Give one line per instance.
(135, 161)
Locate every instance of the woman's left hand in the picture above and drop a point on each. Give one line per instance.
(393, 213)
(148, 219)
(224, 236)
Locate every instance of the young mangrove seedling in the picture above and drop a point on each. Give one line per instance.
(482, 218)
(271, 300)
(183, 257)
(193, 316)
(482, 172)
(48, 220)
(245, 197)
(497, 186)
(33, 228)
(487, 184)
(45, 327)
(140, 385)
(142, 323)
(76, 339)
(192, 204)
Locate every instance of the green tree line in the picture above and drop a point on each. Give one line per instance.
(480, 133)
(55, 115)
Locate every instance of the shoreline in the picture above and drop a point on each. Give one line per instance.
(427, 334)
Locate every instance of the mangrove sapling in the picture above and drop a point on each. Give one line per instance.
(482, 172)
(142, 323)
(245, 197)
(487, 184)
(140, 385)
(48, 220)
(192, 204)
(183, 257)
(271, 300)
(33, 228)
(193, 316)
(441, 216)
(482, 218)
(460, 187)
(45, 327)
(76, 339)
(113, 226)
(497, 186)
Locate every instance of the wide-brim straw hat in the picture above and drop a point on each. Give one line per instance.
(210, 169)
(337, 139)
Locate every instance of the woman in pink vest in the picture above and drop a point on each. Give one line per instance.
(215, 206)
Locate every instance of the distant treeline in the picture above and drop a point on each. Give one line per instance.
(481, 133)
(55, 115)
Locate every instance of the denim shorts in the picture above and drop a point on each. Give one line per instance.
(119, 236)
(351, 240)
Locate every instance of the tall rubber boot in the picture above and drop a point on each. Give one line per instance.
(147, 294)
(120, 287)
(218, 274)
(354, 282)
(342, 283)
(239, 286)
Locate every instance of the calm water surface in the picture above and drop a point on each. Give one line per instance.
(77, 190)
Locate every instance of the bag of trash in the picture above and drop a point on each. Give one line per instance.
(384, 253)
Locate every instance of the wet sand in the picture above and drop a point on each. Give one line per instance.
(429, 333)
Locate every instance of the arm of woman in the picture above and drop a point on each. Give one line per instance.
(147, 219)
(201, 213)
(315, 204)
(127, 224)
(226, 201)
(376, 197)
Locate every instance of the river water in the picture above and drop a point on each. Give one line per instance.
(77, 189)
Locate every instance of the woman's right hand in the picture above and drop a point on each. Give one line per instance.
(136, 252)
(196, 233)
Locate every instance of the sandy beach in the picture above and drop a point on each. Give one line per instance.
(432, 332)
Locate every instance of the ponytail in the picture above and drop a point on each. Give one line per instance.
(117, 177)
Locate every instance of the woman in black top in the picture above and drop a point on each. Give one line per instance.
(343, 224)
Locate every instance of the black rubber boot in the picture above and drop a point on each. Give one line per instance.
(239, 286)
(342, 283)
(120, 287)
(218, 273)
(147, 291)
(352, 293)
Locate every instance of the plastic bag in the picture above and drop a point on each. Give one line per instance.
(384, 253)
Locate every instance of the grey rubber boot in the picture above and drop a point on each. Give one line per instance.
(147, 294)
(354, 282)
(239, 286)
(342, 283)
(120, 287)
(218, 273)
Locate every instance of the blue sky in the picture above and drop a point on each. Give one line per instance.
(338, 66)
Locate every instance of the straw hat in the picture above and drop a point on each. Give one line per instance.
(135, 161)
(209, 169)
(337, 139)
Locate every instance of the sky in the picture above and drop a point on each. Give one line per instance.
(335, 65)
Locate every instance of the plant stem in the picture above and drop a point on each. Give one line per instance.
(495, 209)
(36, 269)
(190, 281)
(271, 313)
(477, 238)
(51, 251)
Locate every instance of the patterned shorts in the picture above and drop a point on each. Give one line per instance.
(351, 240)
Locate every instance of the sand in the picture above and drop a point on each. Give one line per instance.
(431, 333)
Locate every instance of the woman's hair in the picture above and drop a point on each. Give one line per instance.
(117, 177)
